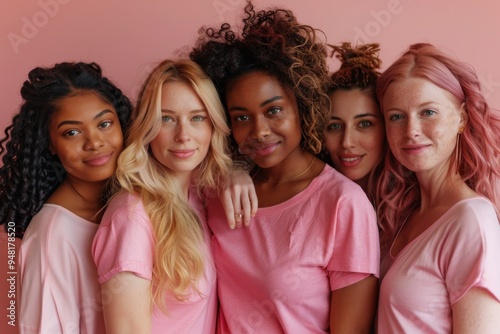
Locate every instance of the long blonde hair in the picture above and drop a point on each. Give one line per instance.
(178, 261)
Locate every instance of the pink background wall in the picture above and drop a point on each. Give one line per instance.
(126, 37)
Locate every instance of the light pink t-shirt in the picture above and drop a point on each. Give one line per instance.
(59, 288)
(458, 252)
(125, 243)
(276, 275)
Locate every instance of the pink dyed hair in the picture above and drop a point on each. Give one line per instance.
(398, 192)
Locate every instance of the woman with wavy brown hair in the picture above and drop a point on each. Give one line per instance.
(308, 261)
(355, 133)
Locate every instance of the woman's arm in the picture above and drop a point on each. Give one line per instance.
(126, 300)
(476, 312)
(353, 307)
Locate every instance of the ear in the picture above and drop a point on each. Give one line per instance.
(464, 118)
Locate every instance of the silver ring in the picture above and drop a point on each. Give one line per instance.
(238, 215)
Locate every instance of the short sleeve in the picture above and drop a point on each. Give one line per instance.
(356, 252)
(124, 241)
(471, 251)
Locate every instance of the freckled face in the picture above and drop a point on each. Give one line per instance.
(86, 136)
(186, 132)
(355, 133)
(264, 117)
(422, 123)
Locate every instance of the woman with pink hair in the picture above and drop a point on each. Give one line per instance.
(438, 198)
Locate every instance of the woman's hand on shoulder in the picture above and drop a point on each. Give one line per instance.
(239, 199)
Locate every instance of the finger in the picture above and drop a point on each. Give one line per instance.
(254, 201)
(247, 209)
(227, 203)
(238, 217)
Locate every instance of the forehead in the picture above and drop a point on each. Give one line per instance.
(349, 103)
(179, 95)
(81, 104)
(256, 86)
(411, 92)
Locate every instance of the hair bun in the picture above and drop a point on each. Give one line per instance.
(365, 55)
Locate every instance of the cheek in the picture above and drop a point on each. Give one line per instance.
(116, 140)
(239, 132)
(332, 143)
(206, 134)
(375, 141)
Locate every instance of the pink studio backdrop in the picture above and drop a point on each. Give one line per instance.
(127, 37)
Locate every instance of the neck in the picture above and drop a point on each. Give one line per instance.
(448, 191)
(88, 193)
(293, 168)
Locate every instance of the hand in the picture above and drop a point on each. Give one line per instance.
(239, 199)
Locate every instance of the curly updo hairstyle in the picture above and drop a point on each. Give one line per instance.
(274, 42)
(359, 67)
(30, 173)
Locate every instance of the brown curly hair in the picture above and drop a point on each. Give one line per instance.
(358, 69)
(274, 42)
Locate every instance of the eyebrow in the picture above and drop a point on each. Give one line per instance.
(272, 99)
(357, 116)
(102, 113)
(168, 111)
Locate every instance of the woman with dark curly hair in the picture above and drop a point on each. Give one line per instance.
(355, 134)
(309, 260)
(58, 154)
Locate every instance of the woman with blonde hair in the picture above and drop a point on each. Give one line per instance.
(152, 248)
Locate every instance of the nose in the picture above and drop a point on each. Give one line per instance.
(261, 128)
(94, 140)
(181, 133)
(413, 127)
(349, 139)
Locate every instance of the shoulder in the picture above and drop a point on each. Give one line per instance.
(332, 183)
(469, 228)
(474, 214)
(53, 220)
(124, 206)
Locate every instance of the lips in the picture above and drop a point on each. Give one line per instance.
(351, 160)
(414, 149)
(265, 149)
(99, 160)
(182, 154)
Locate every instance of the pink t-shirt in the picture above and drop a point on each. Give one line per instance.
(59, 288)
(458, 252)
(276, 275)
(125, 243)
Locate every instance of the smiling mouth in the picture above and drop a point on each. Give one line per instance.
(265, 149)
(351, 159)
(99, 160)
(183, 154)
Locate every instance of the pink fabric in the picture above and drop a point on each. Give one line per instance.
(277, 274)
(59, 288)
(124, 242)
(458, 252)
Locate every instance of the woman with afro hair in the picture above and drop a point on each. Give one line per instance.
(309, 261)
